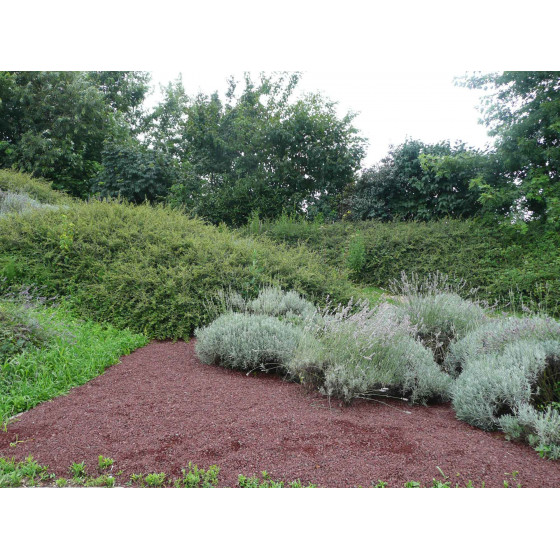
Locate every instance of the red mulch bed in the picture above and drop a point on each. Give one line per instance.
(161, 408)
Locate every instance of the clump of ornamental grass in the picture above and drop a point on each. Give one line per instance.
(516, 390)
(436, 309)
(494, 335)
(247, 342)
(357, 351)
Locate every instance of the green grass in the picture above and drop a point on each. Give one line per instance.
(373, 295)
(81, 352)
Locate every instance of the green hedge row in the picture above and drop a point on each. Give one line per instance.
(494, 260)
(151, 269)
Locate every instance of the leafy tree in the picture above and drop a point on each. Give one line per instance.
(163, 126)
(411, 183)
(125, 92)
(482, 172)
(55, 124)
(260, 151)
(522, 111)
(135, 173)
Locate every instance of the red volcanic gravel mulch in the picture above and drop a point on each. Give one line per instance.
(161, 408)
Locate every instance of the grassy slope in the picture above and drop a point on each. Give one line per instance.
(82, 351)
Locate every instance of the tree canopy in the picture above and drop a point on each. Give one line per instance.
(522, 111)
(259, 151)
(418, 181)
(55, 124)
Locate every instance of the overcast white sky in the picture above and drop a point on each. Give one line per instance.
(392, 105)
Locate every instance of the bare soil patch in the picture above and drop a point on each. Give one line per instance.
(161, 408)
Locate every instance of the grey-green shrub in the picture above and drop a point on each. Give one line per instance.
(277, 303)
(494, 335)
(247, 341)
(540, 428)
(495, 385)
(270, 300)
(439, 314)
(15, 202)
(349, 353)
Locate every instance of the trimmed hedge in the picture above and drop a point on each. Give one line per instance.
(494, 260)
(151, 269)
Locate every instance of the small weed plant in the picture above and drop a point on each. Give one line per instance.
(194, 477)
(78, 470)
(29, 473)
(265, 481)
(103, 463)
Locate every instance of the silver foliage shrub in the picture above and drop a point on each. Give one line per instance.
(540, 428)
(271, 301)
(503, 384)
(247, 341)
(439, 314)
(274, 301)
(493, 336)
(350, 352)
(15, 202)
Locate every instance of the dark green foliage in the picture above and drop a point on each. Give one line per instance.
(260, 151)
(405, 185)
(498, 260)
(134, 173)
(151, 268)
(124, 92)
(523, 113)
(55, 124)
